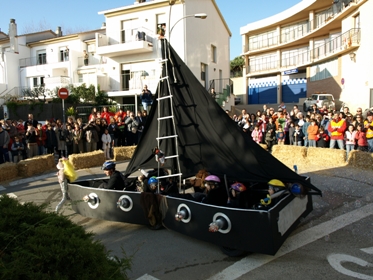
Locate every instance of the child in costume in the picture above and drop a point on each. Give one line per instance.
(159, 155)
(65, 173)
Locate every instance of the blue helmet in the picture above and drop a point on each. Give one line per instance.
(153, 180)
(108, 165)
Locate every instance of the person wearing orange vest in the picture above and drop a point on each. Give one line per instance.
(368, 125)
(337, 129)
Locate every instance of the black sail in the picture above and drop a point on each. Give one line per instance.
(207, 137)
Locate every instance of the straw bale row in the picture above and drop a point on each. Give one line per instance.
(8, 171)
(359, 159)
(36, 165)
(87, 160)
(290, 155)
(123, 153)
(321, 157)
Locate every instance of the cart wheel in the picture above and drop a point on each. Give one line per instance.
(232, 252)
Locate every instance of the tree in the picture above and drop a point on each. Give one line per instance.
(237, 65)
(88, 95)
(35, 244)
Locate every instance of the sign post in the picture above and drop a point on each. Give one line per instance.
(63, 93)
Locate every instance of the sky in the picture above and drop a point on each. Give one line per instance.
(82, 15)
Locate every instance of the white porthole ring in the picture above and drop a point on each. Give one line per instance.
(129, 200)
(227, 220)
(185, 207)
(94, 197)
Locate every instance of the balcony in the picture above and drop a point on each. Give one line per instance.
(305, 30)
(344, 43)
(125, 42)
(56, 82)
(33, 61)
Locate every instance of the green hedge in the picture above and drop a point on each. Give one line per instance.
(35, 244)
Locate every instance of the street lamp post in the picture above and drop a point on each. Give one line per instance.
(201, 16)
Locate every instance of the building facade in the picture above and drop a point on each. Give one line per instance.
(132, 43)
(124, 54)
(313, 47)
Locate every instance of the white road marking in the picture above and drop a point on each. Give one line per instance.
(294, 242)
(368, 250)
(2, 188)
(336, 261)
(147, 277)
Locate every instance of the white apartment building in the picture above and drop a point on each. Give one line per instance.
(47, 60)
(124, 54)
(132, 47)
(313, 47)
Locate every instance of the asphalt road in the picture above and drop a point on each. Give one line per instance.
(334, 242)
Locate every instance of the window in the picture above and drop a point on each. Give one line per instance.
(125, 77)
(64, 54)
(37, 81)
(204, 74)
(294, 31)
(41, 57)
(161, 24)
(263, 40)
(80, 78)
(213, 54)
(129, 30)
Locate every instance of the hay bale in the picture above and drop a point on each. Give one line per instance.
(36, 165)
(87, 160)
(124, 153)
(325, 157)
(8, 171)
(290, 155)
(359, 159)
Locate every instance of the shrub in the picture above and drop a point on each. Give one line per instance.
(35, 244)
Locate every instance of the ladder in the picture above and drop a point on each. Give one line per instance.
(161, 117)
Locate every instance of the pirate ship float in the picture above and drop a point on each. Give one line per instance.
(195, 133)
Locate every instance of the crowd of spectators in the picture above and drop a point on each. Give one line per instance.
(318, 127)
(103, 131)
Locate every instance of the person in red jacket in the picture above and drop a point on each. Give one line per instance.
(322, 138)
(337, 129)
(361, 139)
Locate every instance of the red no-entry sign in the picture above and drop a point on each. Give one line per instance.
(63, 93)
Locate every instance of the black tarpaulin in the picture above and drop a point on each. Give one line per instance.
(207, 137)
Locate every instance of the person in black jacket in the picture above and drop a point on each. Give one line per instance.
(51, 140)
(116, 181)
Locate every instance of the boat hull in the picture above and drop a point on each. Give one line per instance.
(250, 230)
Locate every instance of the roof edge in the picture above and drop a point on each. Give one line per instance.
(297, 8)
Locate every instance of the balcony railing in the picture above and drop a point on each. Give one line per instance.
(33, 61)
(335, 45)
(92, 60)
(126, 36)
(299, 31)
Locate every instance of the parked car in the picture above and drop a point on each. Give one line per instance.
(320, 100)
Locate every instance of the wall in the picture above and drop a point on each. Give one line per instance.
(41, 112)
(209, 31)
